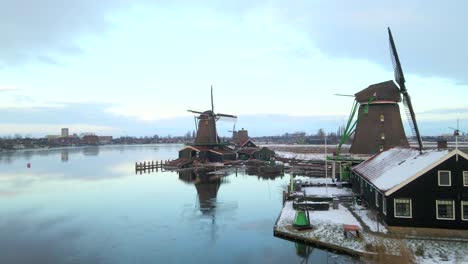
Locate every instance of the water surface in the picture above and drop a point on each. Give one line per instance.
(87, 205)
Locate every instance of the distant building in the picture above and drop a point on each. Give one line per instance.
(64, 132)
(90, 140)
(105, 139)
(50, 137)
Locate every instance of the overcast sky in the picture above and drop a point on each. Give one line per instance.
(117, 68)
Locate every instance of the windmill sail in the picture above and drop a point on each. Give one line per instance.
(400, 79)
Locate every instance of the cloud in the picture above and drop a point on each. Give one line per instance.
(431, 36)
(38, 31)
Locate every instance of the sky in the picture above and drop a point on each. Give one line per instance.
(117, 67)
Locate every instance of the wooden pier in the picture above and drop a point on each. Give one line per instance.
(150, 166)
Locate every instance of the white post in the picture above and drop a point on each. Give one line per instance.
(326, 167)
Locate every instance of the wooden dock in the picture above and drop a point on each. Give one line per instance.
(150, 166)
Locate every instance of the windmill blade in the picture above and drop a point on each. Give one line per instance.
(195, 112)
(212, 103)
(400, 79)
(225, 115)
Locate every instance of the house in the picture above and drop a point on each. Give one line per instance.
(413, 189)
(211, 154)
(256, 153)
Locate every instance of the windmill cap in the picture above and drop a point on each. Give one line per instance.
(384, 91)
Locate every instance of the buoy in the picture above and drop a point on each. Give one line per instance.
(29, 165)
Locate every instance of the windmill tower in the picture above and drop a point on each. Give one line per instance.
(379, 125)
(205, 123)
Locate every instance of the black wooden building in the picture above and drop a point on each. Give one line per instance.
(413, 189)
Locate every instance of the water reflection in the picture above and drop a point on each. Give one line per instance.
(303, 251)
(207, 186)
(94, 209)
(64, 155)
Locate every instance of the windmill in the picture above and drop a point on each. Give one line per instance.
(233, 131)
(456, 134)
(205, 125)
(379, 125)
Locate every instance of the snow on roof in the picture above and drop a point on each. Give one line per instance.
(396, 165)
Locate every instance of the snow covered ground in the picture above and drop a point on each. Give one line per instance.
(367, 217)
(328, 228)
(329, 191)
(300, 156)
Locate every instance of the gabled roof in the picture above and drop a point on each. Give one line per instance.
(196, 148)
(248, 150)
(245, 143)
(390, 170)
(384, 91)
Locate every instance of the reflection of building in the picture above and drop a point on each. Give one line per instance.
(91, 151)
(207, 187)
(64, 154)
(64, 132)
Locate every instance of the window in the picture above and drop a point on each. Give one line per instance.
(402, 208)
(465, 178)
(381, 147)
(382, 136)
(445, 210)
(444, 178)
(382, 118)
(362, 187)
(377, 199)
(384, 205)
(464, 210)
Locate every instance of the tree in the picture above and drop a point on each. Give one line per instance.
(320, 133)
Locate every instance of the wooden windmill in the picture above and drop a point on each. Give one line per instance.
(379, 125)
(205, 125)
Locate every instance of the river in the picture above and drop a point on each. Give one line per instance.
(87, 205)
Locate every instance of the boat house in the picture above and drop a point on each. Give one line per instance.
(415, 189)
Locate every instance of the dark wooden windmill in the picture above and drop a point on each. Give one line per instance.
(379, 125)
(205, 123)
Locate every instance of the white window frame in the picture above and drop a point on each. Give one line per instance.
(384, 205)
(377, 199)
(437, 209)
(410, 207)
(450, 177)
(463, 203)
(465, 175)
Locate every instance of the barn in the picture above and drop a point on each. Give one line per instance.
(415, 189)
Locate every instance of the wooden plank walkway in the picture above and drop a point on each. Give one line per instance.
(149, 166)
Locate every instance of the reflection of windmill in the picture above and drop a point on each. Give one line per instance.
(379, 125)
(205, 123)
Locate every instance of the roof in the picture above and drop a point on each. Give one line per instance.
(222, 151)
(196, 148)
(248, 150)
(384, 91)
(242, 144)
(392, 169)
